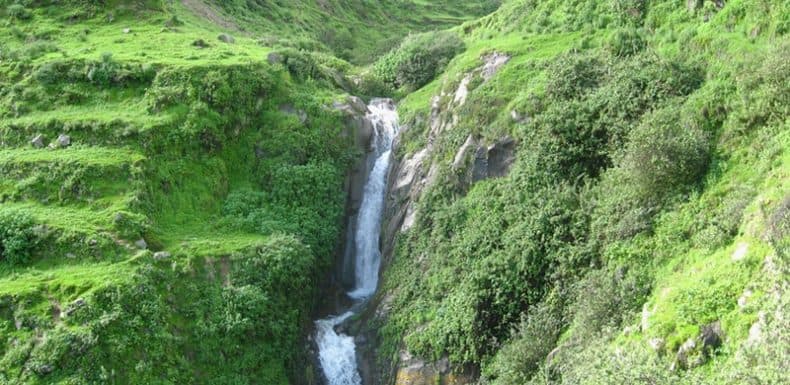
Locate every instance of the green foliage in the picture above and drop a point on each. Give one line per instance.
(534, 339)
(18, 237)
(18, 11)
(663, 157)
(625, 42)
(300, 200)
(418, 60)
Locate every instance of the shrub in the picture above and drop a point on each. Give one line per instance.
(17, 237)
(103, 72)
(18, 11)
(418, 60)
(625, 42)
(537, 335)
(571, 76)
(666, 154)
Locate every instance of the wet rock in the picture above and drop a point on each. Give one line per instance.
(358, 105)
(480, 165)
(501, 156)
(225, 38)
(495, 160)
(162, 255)
(38, 141)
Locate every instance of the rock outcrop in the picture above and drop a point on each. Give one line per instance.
(360, 128)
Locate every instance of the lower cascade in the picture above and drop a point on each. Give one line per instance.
(336, 351)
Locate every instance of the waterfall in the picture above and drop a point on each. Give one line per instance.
(337, 352)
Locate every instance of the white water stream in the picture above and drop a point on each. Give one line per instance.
(336, 351)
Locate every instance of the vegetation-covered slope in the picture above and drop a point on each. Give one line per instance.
(598, 190)
(640, 235)
(169, 201)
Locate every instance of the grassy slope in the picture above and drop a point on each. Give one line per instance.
(354, 30)
(684, 266)
(134, 172)
(178, 138)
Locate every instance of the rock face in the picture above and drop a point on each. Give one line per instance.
(418, 372)
(289, 109)
(360, 128)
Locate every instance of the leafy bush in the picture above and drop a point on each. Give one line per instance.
(535, 338)
(665, 156)
(571, 76)
(17, 237)
(625, 42)
(302, 200)
(18, 11)
(105, 71)
(418, 60)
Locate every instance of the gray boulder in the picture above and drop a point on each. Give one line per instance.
(141, 244)
(63, 141)
(274, 58)
(38, 141)
(162, 255)
(712, 337)
(225, 38)
(289, 109)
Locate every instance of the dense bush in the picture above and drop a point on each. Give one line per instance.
(625, 42)
(18, 11)
(535, 338)
(571, 76)
(17, 237)
(665, 154)
(418, 60)
(300, 200)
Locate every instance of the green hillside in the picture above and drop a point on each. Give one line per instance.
(601, 196)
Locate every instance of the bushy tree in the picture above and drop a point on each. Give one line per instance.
(17, 237)
(419, 59)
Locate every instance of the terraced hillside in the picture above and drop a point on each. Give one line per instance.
(170, 198)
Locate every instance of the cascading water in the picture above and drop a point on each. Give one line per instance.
(337, 352)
